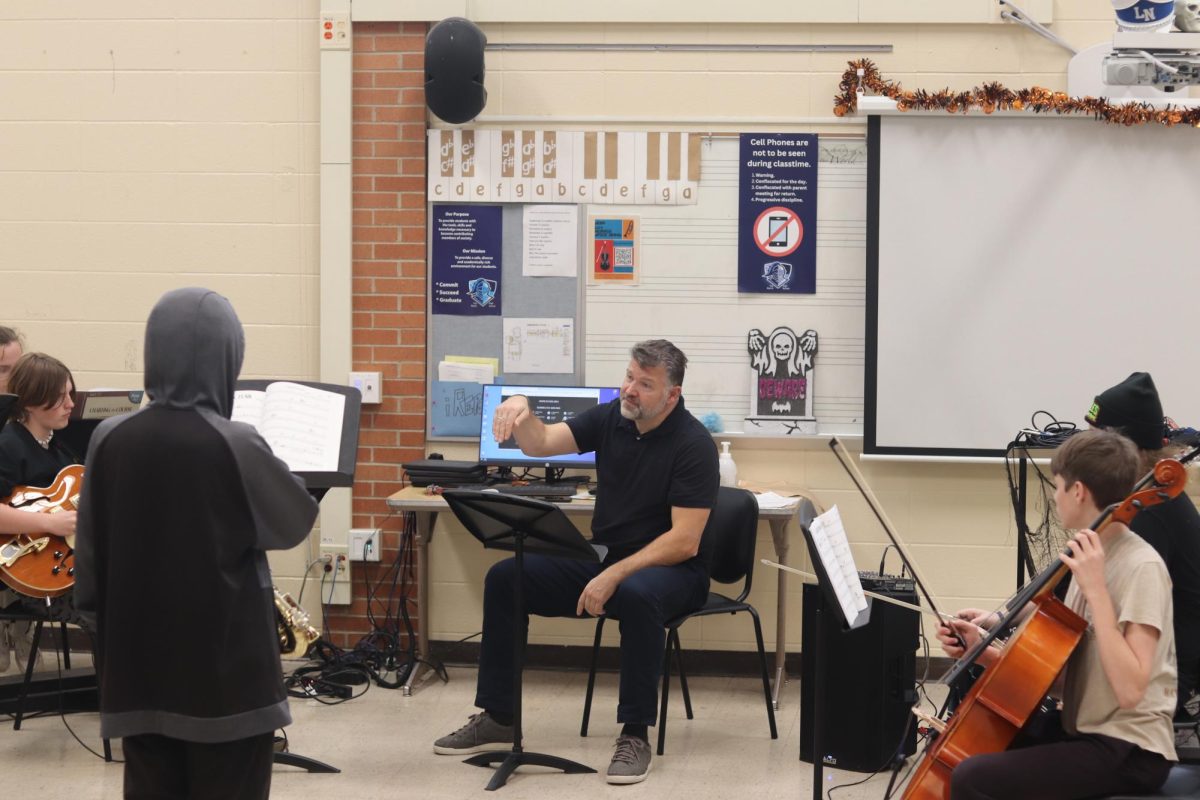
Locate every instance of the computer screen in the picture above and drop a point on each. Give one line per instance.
(550, 404)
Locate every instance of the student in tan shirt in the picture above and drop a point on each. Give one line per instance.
(1119, 684)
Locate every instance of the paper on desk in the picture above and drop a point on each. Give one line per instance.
(834, 549)
(771, 500)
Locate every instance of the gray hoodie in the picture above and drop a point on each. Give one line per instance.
(179, 506)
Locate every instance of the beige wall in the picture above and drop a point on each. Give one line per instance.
(149, 145)
(956, 518)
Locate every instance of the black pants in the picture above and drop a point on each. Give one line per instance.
(642, 603)
(1189, 680)
(1089, 765)
(160, 768)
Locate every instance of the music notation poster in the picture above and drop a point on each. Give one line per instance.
(464, 267)
(777, 213)
(539, 345)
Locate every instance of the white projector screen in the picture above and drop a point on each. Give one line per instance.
(1018, 264)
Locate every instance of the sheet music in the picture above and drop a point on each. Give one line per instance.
(303, 425)
(834, 548)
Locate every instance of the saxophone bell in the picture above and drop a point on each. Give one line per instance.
(296, 633)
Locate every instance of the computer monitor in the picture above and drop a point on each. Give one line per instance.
(550, 404)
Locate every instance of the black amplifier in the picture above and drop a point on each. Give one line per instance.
(870, 676)
(886, 584)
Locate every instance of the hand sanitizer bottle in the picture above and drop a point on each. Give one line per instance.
(727, 467)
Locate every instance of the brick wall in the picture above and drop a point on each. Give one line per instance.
(388, 281)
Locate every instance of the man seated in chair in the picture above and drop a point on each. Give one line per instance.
(656, 467)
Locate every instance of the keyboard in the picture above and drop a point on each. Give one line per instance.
(539, 489)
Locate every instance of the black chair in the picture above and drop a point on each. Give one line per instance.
(733, 529)
(16, 707)
(1183, 782)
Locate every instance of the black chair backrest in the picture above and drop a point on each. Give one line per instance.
(733, 528)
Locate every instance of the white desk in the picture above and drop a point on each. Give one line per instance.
(426, 507)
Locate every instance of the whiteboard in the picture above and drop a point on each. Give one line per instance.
(687, 292)
(1018, 264)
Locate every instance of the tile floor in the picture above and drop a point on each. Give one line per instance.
(382, 742)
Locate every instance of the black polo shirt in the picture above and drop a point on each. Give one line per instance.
(640, 477)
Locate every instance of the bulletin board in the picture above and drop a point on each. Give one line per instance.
(521, 297)
(686, 291)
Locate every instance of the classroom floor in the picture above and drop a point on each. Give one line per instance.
(382, 742)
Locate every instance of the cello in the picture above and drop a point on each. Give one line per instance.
(1005, 696)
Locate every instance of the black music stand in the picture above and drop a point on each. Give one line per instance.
(505, 522)
(318, 483)
(826, 597)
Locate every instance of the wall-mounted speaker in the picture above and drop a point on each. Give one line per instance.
(454, 70)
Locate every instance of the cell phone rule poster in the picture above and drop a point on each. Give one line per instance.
(777, 213)
(465, 260)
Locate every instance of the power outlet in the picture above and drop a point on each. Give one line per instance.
(335, 31)
(364, 544)
(336, 578)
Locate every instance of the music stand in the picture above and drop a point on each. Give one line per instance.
(826, 597)
(506, 522)
(318, 483)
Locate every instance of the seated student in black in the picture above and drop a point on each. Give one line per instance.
(31, 456)
(1132, 409)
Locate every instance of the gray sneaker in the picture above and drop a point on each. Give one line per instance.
(480, 734)
(630, 762)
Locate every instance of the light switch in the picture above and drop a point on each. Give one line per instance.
(369, 384)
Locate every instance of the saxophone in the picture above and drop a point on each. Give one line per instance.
(296, 633)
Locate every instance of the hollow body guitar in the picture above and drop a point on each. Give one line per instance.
(40, 564)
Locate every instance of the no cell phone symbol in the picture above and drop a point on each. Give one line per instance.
(778, 231)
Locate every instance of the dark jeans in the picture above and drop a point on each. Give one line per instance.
(161, 768)
(642, 603)
(1065, 768)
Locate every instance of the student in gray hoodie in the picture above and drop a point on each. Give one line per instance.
(179, 506)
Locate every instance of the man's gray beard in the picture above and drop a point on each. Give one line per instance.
(640, 411)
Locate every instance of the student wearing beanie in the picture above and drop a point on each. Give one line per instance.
(1133, 409)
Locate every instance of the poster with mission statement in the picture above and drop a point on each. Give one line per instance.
(465, 260)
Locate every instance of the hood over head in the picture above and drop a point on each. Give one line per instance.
(194, 350)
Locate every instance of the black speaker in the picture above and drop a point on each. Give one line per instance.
(454, 70)
(870, 675)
